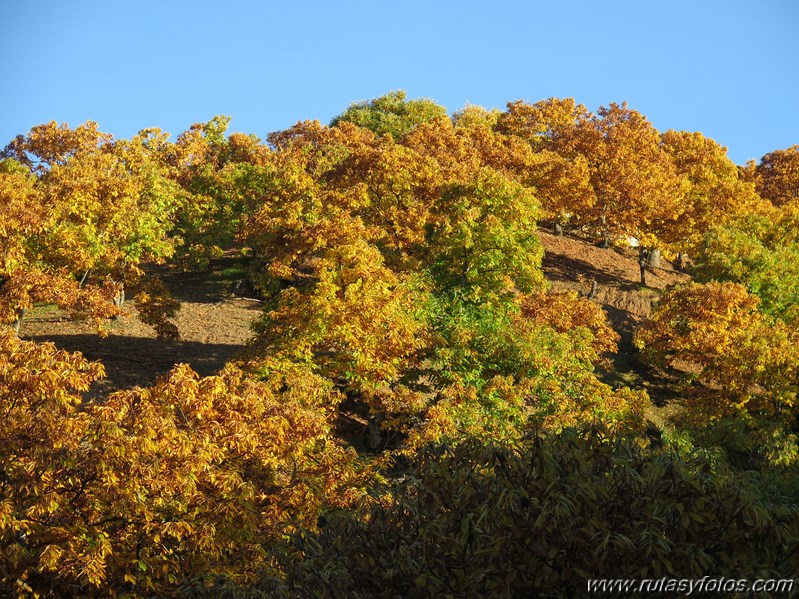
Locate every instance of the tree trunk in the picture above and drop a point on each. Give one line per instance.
(375, 434)
(119, 299)
(680, 263)
(18, 321)
(603, 242)
(592, 293)
(642, 265)
(643, 258)
(654, 258)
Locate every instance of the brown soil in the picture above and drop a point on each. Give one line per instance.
(214, 323)
(573, 263)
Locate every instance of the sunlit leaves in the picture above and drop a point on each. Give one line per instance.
(567, 312)
(498, 370)
(637, 186)
(22, 215)
(760, 252)
(191, 477)
(391, 114)
(398, 254)
(42, 431)
(743, 364)
(27, 287)
(396, 267)
(357, 324)
(546, 125)
(223, 181)
(51, 144)
(110, 208)
(95, 206)
(714, 191)
(776, 176)
(483, 239)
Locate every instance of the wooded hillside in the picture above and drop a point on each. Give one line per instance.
(494, 353)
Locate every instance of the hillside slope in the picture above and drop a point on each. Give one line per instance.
(214, 323)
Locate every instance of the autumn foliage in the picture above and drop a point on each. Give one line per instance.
(189, 478)
(418, 413)
(740, 364)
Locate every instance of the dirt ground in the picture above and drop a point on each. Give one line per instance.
(214, 325)
(214, 322)
(572, 263)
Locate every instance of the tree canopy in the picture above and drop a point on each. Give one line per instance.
(418, 412)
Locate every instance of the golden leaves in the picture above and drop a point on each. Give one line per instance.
(22, 214)
(28, 287)
(745, 361)
(155, 306)
(713, 190)
(51, 144)
(567, 312)
(636, 184)
(403, 273)
(151, 485)
(777, 176)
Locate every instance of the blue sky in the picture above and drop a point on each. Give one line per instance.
(729, 69)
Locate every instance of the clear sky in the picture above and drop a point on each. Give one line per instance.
(727, 68)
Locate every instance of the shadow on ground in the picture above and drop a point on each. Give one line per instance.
(624, 323)
(559, 267)
(139, 361)
(223, 277)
